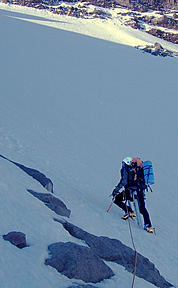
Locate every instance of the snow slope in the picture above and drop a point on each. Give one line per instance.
(73, 106)
(111, 29)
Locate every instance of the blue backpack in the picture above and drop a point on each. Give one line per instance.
(148, 173)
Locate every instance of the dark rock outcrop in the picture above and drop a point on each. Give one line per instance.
(171, 37)
(157, 50)
(78, 262)
(16, 238)
(154, 4)
(114, 250)
(52, 202)
(37, 175)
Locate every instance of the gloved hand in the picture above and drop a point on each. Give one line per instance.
(115, 191)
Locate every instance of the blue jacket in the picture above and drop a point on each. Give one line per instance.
(127, 177)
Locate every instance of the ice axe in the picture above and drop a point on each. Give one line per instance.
(112, 201)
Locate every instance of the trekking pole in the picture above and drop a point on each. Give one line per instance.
(137, 210)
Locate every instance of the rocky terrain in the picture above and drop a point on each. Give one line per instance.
(158, 18)
(71, 258)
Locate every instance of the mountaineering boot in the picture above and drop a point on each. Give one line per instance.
(132, 214)
(127, 215)
(148, 228)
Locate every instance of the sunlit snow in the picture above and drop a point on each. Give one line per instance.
(73, 106)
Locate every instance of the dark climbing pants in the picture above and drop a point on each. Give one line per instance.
(125, 195)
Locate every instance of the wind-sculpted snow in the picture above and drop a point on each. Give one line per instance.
(37, 175)
(115, 251)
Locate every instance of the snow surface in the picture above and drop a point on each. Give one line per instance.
(113, 29)
(72, 107)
